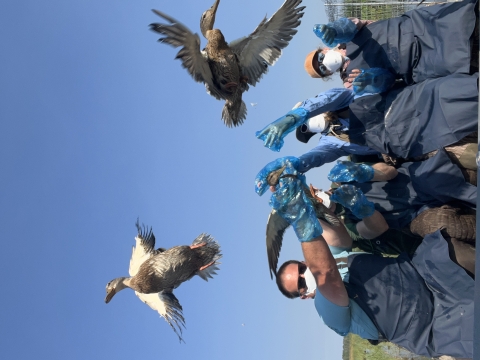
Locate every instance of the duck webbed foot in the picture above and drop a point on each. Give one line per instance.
(197, 245)
(231, 86)
(206, 266)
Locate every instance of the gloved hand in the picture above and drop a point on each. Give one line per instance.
(274, 133)
(340, 31)
(374, 80)
(346, 171)
(291, 203)
(261, 180)
(326, 33)
(353, 199)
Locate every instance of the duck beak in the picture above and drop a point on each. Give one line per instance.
(215, 7)
(274, 177)
(109, 296)
(208, 19)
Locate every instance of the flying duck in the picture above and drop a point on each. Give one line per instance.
(227, 70)
(155, 273)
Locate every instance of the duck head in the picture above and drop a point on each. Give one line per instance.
(274, 177)
(208, 18)
(113, 287)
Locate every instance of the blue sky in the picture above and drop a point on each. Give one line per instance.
(100, 125)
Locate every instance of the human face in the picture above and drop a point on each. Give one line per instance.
(293, 279)
(318, 63)
(328, 61)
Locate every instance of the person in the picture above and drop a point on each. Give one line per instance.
(373, 235)
(403, 208)
(334, 142)
(381, 234)
(410, 189)
(401, 194)
(396, 122)
(427, 42)
(295, 270)
(323, 61)
(296, 280)
(424, 304)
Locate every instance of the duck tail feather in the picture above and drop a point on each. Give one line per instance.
(234, 113)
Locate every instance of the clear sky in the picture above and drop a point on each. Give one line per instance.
(100, 125)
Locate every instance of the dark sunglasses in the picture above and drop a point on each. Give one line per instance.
(302, 283)
(322, 68)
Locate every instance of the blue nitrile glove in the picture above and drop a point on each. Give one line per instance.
(353, 199)
(346, 171)
(373, 81)
(274, 133)
(291, 203)
(340, 31)
(290, 162)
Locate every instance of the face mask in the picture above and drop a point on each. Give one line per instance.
(316, 124)
(333, 60)
(325, 197)
(310, 280)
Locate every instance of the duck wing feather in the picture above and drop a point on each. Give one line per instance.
(143, 249)
(276, 227)
(168, 306)
(195, 61)
(264, 45)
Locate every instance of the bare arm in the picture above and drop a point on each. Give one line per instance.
(372, 226)
(336, 235)
(383, 172)
(323, 266)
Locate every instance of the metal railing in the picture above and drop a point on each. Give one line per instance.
(371, 9)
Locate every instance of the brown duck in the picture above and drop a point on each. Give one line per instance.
(155, 273)
(227, 70)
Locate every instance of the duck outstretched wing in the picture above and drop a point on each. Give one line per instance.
(195, 61)
(143, 249)
(264, 45)
(167, 305)
(276, 227)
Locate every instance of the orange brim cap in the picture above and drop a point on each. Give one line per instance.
(309, 65)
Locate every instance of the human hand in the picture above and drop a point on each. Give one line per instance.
(374, 80)
(347, 171)
(291, 203)
(341, 30)
(308, 296)
(274, 133)
(326, 33)
(351, 77)
(264, 177)
(354, 199)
